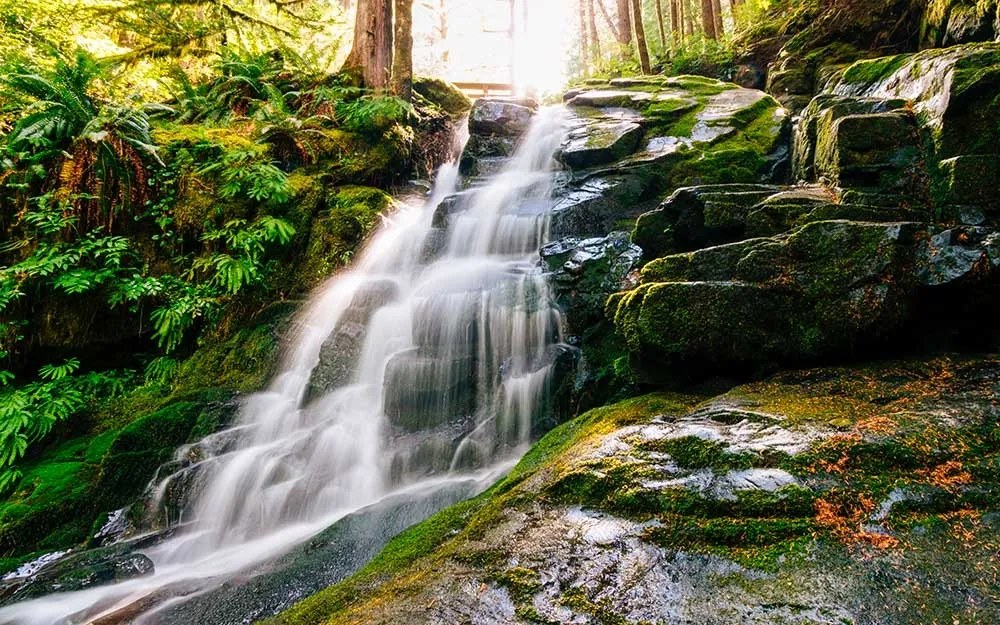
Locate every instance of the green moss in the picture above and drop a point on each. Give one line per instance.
(682, 127)
(693, 452)
(308, 199)
(166, 134)
(242, 362)
(697, 85)
(143, 446)
(697, 534)
(717, 166)
(521, 582)
(601, 611)
(442, 94)
(352, 214)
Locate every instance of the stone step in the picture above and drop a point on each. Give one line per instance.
(422, 391)
(341, 350)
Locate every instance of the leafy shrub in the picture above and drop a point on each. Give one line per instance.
(93, 153)
(701, 56)
(29, 412)
(373, 113)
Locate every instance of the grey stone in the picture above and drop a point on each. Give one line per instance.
(600, 142)
(499, 117)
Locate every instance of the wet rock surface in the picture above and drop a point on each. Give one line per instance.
(339, 353)
(586, 271)
(87, 569)
(501, 116)
(810, 498)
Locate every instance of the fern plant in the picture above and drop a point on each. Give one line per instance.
(249, 172)
(373, 114)
(94, 152)
(28, 413)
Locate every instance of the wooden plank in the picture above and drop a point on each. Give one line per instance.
(485, 88)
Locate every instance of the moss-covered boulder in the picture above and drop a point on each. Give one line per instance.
(818, 120)
(708, 215)
(673, 132)
(818, 497)
(953, 91)
(880, 151)
(442, 94)
(351, 214)
(827, 289)
(694, 217)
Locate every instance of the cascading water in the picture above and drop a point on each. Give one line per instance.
(426, 363)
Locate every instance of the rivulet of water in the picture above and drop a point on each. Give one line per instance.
(427, 362)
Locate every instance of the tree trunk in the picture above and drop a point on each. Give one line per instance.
(625, 27)
(659, 22)
(584, 44)
(402, 54)
(371, 52)
(443, 31)
(717, 13)
(640, 37)
(607, 20)
(708, 19)
(595, 38)
(676, 26)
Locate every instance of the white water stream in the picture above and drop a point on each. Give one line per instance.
(448, 357)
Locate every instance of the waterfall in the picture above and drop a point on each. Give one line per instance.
(428, 361)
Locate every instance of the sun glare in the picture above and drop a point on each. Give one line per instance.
(519, 42)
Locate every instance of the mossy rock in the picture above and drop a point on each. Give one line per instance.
(818, 291)
(826, 290)
(243, 361)
(695, 217)
(953, 91)
(351, 215)
(870, 514)
(140, 448)
(443, 94)
(695, 131)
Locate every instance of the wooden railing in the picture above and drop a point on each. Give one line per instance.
(481, 89)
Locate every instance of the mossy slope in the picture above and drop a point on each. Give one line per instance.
(878, 460)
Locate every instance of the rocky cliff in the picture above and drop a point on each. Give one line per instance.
(817, 291)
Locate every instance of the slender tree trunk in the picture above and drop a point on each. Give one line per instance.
(717, 13)
(640, 37)
(402, 54)
(584, 43)
(595, 38)
(371, 53)
(676, 27)
(608, 21)
(708, 19)
(659, 22)
(625, 27)
(443, 31)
